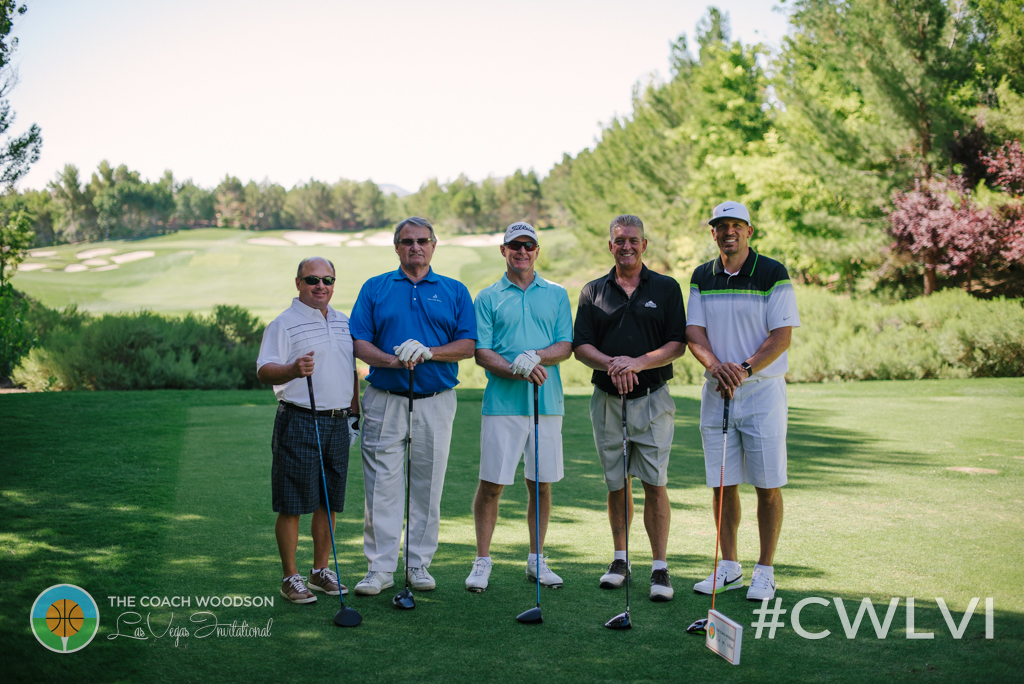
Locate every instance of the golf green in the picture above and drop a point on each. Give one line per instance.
(163, 495)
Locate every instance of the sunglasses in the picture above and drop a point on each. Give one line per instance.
(315, 280)
(409, 242)
(516, 245)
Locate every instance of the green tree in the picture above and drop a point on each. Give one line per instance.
(16, 236)
(77, 218)
(17, 152)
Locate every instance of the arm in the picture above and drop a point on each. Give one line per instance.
(731, 375)
(662, 356)
(590, 356)
(772, 348)
(354, 406)
(498, 365)
(281, 373)
(453, 352)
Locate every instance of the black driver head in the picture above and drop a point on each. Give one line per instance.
(530, 617)
(620, 621)
(347, 617)
(699, 627)
(404, 600)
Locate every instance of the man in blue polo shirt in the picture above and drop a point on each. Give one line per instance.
(427, 320)
(524, 326)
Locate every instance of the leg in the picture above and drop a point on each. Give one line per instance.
(287, 531)
(431, 441)
(320, 528)
(385, 420)
(485, 515)
(730, 520)
(531, 512)
(769, 522)
(616, 514)
(657, 513)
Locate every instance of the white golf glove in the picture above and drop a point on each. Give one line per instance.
(525, 363)
(353, 430)
(411, 350)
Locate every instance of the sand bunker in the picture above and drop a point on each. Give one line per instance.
(269, 242)
(95, 262)
(305, 238)
(99, 251)
(111, 267)
(974, 471)
(31, 267)
(43, 253)
(75, 268)
(131, 256)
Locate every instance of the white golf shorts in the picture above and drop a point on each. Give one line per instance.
(504, 440)
(756, 446)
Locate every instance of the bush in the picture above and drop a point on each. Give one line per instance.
(148, 351)
(946, 335)
(16, 338)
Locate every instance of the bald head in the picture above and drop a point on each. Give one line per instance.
(312, 262)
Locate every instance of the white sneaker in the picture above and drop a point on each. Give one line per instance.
(616, 575)
(720, 581)
(762, 585)
(477, 580)
(374, 583)
(547, 578)
(420, 579)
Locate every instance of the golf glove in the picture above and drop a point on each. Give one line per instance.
(411, 350)
(353, 430)
(525, 363)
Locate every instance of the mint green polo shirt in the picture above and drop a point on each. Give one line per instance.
(509, 321)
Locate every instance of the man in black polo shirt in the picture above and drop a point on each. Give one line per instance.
(630, 326)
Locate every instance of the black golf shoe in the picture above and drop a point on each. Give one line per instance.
(616, 575)
(661, 586)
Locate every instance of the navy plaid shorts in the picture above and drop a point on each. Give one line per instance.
(295, 481)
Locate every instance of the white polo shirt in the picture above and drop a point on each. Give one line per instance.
(300, 330)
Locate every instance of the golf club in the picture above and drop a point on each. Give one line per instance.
(622, 621)
(404, 599)
(346, 617)
(700, 626)
(533, 616)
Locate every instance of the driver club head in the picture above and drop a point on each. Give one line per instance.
(403, 600)
(347, 617)
(530, 617)
(699, 627)
(620, 621)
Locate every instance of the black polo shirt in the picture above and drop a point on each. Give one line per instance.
(631, 326)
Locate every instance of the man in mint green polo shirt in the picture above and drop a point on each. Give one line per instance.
(524, 330)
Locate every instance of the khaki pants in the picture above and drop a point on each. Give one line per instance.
(650, 426)
(384, 430)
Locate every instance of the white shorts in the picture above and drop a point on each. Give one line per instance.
(756, 447)
(506, 439)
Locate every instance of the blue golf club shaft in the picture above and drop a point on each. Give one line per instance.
(323, 476)
(536, 477)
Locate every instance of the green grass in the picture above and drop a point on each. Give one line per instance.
(167, 494)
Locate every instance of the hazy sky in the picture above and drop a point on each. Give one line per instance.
(394, 91)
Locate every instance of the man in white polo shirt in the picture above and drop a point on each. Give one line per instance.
(524, 330)
(309, 336)
(741, 315)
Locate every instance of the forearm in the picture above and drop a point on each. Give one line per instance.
(700, 346)
(772, 348)
(589, 356)
(372, 356)
(662, 356)
(453, 352)
(354, 406)
(496, 364)
(555, 353)
(277, 373)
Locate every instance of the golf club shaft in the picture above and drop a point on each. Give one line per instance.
(323, 476)
(408, 481)
(536, 478)
(721, 497)
(625, 497)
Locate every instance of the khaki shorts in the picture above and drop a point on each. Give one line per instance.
(650, 425)
(504, 440)
(756, 445)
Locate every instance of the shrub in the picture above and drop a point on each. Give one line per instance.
(16, 336)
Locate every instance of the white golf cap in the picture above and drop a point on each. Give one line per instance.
(730, 210)
(520, 229)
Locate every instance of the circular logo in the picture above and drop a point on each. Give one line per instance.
(711, 630)
(64, 618)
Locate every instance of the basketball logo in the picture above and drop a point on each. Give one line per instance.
(711, 630)
(65, 618)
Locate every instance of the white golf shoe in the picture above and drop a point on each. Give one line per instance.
(374, 583)
(477, 580)
(547, 578)
(762, 585)
(661, 586)
(420, 579)
(616, 575)
(721, 580)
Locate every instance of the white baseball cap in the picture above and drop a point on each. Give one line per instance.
(730, 209)
(520, 229)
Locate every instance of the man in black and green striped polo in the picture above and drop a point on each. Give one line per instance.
(741, 316)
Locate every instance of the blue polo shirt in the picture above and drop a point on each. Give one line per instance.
(435, 311)
(509, 321)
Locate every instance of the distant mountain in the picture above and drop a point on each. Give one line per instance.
(389, 189)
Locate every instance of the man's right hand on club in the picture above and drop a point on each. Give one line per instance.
(411, 352)
(303, 366)
(729, 376)
(625, 382)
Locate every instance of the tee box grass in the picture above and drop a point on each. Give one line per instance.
(166, 494)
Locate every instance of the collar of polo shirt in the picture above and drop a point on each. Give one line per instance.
(537, 281)
(747, 269)
(310, 312)
(431, 277)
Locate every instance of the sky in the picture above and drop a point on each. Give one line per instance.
(393, 91)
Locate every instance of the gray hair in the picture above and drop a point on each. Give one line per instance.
(415, 221)
(626, 220)
(302, 265)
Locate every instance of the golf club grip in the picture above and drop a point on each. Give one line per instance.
(312, 401)
(411, 378)
(725, 416)
(536, 404)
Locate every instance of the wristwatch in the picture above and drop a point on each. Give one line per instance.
(746, 366)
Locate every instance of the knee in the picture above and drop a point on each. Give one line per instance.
(769, 497)
(489, 490)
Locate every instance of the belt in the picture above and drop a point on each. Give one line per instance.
(332, 413)
(417, 395)
(636, 394)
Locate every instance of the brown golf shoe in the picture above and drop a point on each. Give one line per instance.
(294, 589)
(326, 581)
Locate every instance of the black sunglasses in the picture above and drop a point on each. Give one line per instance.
(409, 242)
(516, 245)
(315, 280)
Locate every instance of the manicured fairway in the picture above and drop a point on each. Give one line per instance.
(167, 494)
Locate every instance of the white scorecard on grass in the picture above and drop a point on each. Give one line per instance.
(724, 636)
